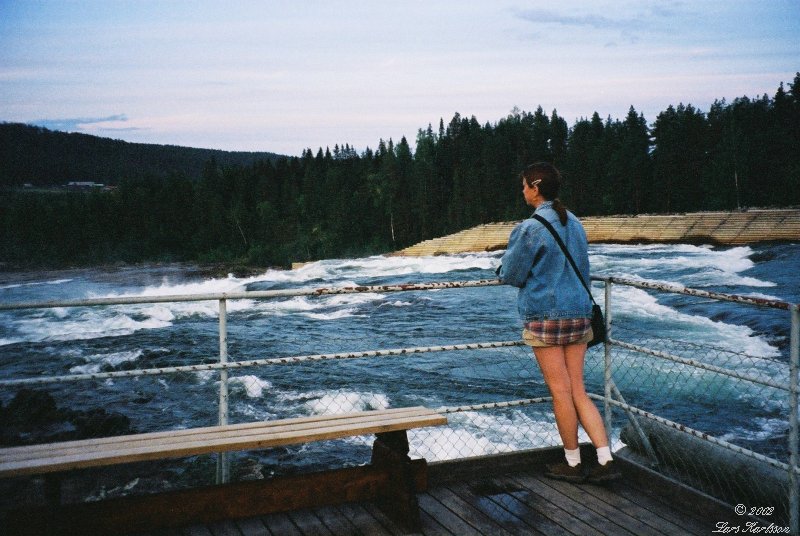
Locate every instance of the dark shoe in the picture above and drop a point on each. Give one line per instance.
(603, 473)
(563, 471)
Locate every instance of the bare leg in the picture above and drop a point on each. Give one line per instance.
(552, 362)
(562, 368)
(588, 414)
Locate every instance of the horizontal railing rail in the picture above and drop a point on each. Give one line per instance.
(260, 362)
(247, 295)
(288, 293)
(680, 289)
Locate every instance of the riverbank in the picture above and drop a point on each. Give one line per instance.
(721, 228)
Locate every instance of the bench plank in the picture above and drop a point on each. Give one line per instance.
(170, 436)
(18, 461)
(151, 437)
(314, 427)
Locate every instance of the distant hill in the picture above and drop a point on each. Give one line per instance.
(42, 157)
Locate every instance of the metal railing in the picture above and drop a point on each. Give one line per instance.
(617, 354)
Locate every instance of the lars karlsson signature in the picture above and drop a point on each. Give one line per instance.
(750, 527)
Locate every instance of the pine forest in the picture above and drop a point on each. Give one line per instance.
(339, 202)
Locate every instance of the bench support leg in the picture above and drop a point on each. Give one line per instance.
(399, 501)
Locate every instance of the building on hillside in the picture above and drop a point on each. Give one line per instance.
(83, 185)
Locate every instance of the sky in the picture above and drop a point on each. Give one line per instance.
(283, 76)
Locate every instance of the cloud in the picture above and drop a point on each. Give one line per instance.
(625, 26)
(78, 123)
(599, 22)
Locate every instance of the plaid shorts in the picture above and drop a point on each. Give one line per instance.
(557, 332)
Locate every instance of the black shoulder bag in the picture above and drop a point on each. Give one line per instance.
(598, 322)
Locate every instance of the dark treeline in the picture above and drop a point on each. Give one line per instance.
(42, 157)
(338, 202)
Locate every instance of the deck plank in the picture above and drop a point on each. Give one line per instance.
(686, 520)
(366, 523)
(335, 521)
(612, 512)
(613, 495)
(390, 526)
(565, 500)
(698, 516)
(448, 519)
(431, 527)
(252, 527)
(469, 511)
(309, 523)
(554, 518)
(281, 525)
(500, 506)
(224, 528)
(197, 530)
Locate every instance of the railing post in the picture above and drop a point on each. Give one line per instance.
(607, 381)
(223, 464)
(794, 429)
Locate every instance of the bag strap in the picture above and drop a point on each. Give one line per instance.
(566, 253)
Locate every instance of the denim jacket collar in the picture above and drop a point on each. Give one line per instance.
(542, 206)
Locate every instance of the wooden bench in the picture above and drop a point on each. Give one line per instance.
(392, 478)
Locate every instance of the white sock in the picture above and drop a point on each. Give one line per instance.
(573, 456)
(604, 455)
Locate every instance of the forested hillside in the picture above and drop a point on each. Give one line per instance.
(337, 203)
(42, 157)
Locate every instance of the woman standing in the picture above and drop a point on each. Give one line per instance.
(556, 311)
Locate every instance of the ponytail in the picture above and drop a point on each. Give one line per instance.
(559, 207)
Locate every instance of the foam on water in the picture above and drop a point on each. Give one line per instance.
(317, 307)
(335, 315)
(636, 303)
(66, 324)
(338, 273)
(35, 284)
(763, 429)
(332, 402)
(82, 324)
(693, 266)
(380, 265)
(254, 412)
(686, 264)
(253, 386)
(97, 362)
(208, 308)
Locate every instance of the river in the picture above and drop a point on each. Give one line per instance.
(83, 340)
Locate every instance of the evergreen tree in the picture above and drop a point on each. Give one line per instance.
(681, 137)
(629, 165)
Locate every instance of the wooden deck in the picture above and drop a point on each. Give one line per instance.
(507, 501)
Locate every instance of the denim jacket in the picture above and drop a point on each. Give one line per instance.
(548, 286)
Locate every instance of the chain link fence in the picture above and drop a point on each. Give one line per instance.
(710, 416)
(706, 413)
